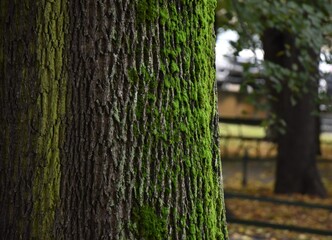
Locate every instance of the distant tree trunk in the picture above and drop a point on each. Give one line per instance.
(318, 132)
(109, 121)
(296, 163)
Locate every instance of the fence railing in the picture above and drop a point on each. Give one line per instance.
(241, 143)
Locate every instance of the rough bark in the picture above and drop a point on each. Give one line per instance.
(111, 127)
(32, 100)
(296, 161)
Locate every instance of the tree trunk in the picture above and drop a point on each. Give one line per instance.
(109, 121)
(32, 82)
(296, 163)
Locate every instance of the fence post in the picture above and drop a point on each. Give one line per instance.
(245, 168)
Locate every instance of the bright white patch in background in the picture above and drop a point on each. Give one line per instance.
(323, 66)
(223, 47)
(249, 54)
(223, 41)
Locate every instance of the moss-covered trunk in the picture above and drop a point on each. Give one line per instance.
(110, 127)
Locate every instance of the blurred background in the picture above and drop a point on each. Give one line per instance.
(274, 81)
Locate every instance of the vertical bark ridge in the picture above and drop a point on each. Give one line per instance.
(32, 79)
(51, 28)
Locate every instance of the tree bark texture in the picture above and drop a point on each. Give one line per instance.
(296, 161)
(109, 121)
(32, 82)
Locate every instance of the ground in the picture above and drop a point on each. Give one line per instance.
(260, 183)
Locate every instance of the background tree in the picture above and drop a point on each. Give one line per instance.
(109, 121)
(292, 33)
(297, 145)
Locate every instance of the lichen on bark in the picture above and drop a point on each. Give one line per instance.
(32, 82)
(51, 30)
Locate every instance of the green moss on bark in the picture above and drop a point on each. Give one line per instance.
(51, 24)
(148, 225)
(184, 120)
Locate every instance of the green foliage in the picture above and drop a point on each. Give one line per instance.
(309, 24)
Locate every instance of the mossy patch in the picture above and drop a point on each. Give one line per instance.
(148, 225)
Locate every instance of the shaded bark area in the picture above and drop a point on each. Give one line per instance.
(296, 163)
(17, 163)
(31, 108)
(141, 157)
